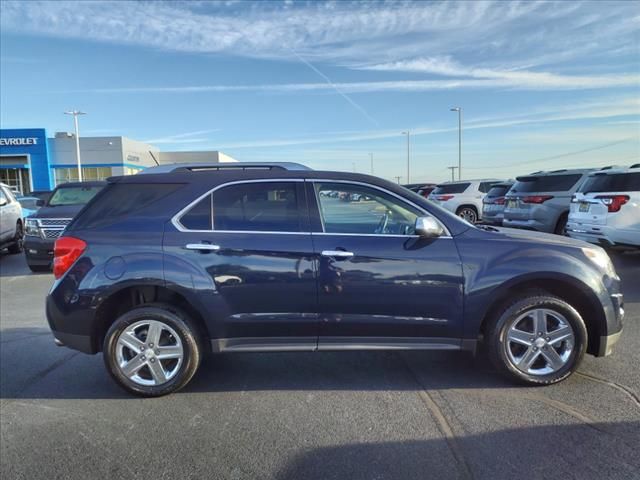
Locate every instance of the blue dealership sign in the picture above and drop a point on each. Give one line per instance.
(32, 143)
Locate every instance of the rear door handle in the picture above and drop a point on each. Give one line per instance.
(207, 247)
(337, 253)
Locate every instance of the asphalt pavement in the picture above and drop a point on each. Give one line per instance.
(355, 415)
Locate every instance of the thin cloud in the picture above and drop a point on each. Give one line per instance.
(187, 137)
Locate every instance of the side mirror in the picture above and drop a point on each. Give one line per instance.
(428, 227)
(40, 203)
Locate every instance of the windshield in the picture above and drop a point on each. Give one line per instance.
(450, 188)
(546, 183)
(619, 182)
(73, 195)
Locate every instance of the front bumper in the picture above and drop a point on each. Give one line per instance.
(38, 251)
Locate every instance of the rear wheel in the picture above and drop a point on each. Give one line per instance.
(561, 226)
(468, 213)
(152, 351)
(16, 246)
(538, 339)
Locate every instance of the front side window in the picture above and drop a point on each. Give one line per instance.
(356, 209)
(260, 206)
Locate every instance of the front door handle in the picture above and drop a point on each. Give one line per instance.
(206, 247)
(337, 253)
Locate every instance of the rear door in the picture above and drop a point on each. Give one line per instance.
(380, 285)
(251, 243)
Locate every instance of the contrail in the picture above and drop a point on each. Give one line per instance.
(340, 92)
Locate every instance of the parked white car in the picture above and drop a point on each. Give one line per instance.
(606, 208)
(11, 227)
(464, 197)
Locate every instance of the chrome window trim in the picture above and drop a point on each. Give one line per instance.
(381, 189)
(175, 220)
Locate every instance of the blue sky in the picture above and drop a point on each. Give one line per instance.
(542, 84)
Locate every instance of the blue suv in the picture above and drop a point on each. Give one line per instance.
(160, 269)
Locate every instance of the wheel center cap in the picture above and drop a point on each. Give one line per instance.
(540, 342)
(149, 353)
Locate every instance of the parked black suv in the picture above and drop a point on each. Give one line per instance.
(43, 227)
(160, 269)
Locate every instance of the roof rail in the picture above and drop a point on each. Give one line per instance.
(216, 166)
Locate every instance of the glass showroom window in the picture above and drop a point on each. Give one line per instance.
(131, 171)
(64, 175)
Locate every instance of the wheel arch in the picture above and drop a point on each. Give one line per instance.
(565, 287)
(130, 296)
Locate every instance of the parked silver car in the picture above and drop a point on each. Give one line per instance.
(493, 203)
(541, 201)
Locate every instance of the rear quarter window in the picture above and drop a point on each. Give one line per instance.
(547, 183)
(119, 200)
(451, 188)
(618, 182)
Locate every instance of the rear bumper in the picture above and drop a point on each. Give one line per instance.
(603, 235)
(529, 224)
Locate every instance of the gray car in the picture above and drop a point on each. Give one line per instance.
(493, 203)
(541, 201)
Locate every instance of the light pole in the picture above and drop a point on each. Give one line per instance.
(398, 177)
(371, 157)
(408, 134)
(459, 110)
(75, 114)
(453, 169)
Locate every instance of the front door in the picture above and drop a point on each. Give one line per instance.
(251, 243)
(379, 284)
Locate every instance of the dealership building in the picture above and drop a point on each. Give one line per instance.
(30, 161)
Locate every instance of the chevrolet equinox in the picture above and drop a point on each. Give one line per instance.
(162, 268)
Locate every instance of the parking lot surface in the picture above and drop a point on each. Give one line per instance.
(359, 415)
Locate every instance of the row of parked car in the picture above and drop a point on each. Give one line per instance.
(600, 206)
(33, 223)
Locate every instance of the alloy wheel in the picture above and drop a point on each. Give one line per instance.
(149, 352)
(540, 341)
(468, 214)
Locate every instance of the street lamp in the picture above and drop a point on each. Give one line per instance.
(75, 114)
(453, 169)
(459, 110)
(408, 134)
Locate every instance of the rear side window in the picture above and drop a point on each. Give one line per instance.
(451, 188)
(547, 183)
(199, 216)
(260, 206)
(498, 191)
(120, 200)
(618, 182)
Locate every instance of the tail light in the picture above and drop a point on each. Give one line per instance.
(444, 198)
(537, 198)
(66, 251)
(613, 202)
(500, 201)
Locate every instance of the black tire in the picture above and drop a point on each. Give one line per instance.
(38, 268)
(16, 246)
(561, 226)
(497, 344)
(468, 212)
(176, 320)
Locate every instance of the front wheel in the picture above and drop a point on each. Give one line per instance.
(538, 339)
(152, 351)
(16, 246)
